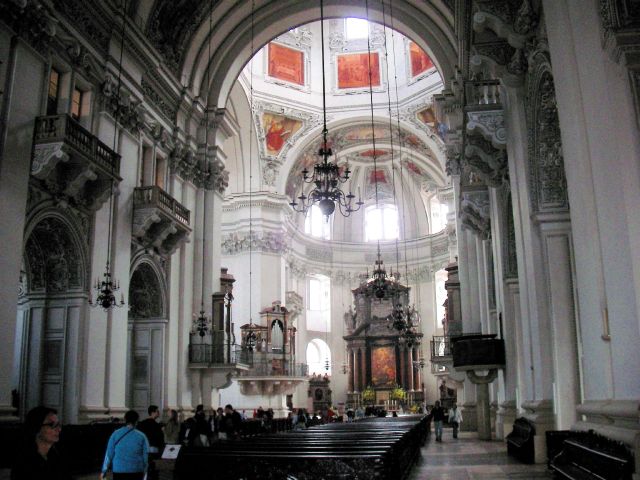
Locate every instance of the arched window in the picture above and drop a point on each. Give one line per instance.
(318, 357)
(355, 28)
(316, 224)
(441, 295)
(381, 223)
(319, 304)
(438, 215)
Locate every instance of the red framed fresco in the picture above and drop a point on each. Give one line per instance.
(353, 70)
(286, 64)
(383, 366)
(420, 61)
(277, 130)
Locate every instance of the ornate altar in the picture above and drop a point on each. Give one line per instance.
(379, 355)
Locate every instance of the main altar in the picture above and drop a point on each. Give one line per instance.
(380, 357)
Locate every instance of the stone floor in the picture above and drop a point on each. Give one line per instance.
(468, 458)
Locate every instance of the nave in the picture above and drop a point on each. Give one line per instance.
(468, 458)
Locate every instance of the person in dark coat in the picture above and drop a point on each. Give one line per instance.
(438, 420)
(232, 422)
(153, 430)
(39, 458)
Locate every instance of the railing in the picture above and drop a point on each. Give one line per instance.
(481, 93)
(440, 347)
(206, 353)
(154, 196)
(266, 369)
(438, 369)
(63, 128)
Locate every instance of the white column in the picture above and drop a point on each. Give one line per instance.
(603, 181)
(22, 100)
(189, 294)
(557, 241)
(117, 350)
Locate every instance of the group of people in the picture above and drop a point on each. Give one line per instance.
(129, 448)
(438, 416)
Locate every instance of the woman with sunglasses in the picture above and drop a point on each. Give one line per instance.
(40, 458)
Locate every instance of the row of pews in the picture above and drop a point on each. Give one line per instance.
(373, 448)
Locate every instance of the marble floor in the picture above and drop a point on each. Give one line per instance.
(468, 458)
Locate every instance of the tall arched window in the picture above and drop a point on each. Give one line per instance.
(318, 357)
(381, 223)
(441, 295)
(438, 215)
(319, 304)
(316, 224)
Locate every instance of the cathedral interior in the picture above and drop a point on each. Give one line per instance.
(288, 204)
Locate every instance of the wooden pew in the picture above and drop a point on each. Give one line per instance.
(377, 448)
(588, 456)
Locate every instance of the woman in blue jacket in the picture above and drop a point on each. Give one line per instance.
(127, 451)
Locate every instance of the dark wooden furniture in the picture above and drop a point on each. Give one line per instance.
(589, 456)
(376, 448)
(520, 441)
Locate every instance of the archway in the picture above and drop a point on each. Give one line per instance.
(147, 325)
(318, 357)
(51, 310)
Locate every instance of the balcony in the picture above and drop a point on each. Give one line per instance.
(159, 220)
(277, 377)
(213, 362)
(72, 164)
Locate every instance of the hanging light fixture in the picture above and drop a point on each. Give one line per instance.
(326, 176)
(107, 287)
(404, 319)
(251, 339)
(202, 321)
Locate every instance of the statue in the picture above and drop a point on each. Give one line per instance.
(350, 319)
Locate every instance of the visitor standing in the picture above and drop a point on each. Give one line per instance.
(455, 419)
(438, 419)
(40, 458)
(232, 422)
(153, 430)
(127, 451)
(172, 428)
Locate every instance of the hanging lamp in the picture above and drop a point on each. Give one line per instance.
(251, 338)
(203, 321)
(107, 287)
(326, 176)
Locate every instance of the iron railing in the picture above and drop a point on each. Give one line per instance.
(210, 354)
(63, 128)
(154, 196)
(440, 347)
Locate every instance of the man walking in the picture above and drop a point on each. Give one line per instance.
(438, 419)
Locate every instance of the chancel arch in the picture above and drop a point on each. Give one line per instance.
(147, 329)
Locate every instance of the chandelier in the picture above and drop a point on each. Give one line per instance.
(405, 319)
(202, 323)
(326, 176)
(382, 284)
(106, 288)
